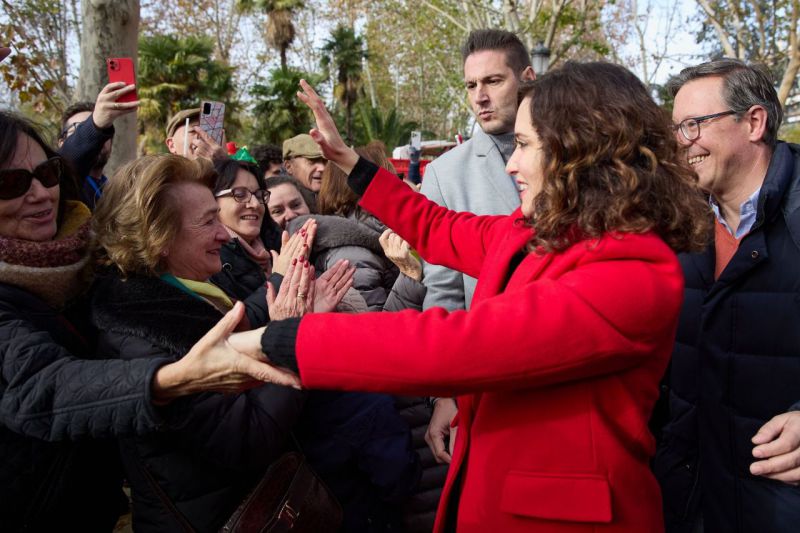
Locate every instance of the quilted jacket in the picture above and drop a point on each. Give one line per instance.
(220, 445)
(50, 391)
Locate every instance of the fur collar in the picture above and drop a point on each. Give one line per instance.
(150, 309)
(334, 232)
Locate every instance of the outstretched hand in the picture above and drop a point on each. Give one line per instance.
(332, 285)
(249, 342)
(213, 364)
(326, 135)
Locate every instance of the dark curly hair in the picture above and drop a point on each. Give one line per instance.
(611, 162)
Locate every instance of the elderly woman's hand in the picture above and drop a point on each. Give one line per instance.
(398, 252)
(293, 248)
(213, 364)
(296, 295)
(332, 285)
(325, 134)
(106, 107)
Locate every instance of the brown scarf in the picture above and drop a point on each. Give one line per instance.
(53, 270)
(256, 251)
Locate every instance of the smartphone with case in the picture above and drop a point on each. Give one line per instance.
(416, 140)
(121, 69)
(212, 117)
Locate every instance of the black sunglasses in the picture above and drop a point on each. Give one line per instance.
(15, 182)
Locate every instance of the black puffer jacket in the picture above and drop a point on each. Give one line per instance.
(243, 279)
(240, 275)
(49, 395)
(207, 464)
(343, 238)
(736, 364)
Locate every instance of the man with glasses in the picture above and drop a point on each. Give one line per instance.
(729, 457)
(87, 133)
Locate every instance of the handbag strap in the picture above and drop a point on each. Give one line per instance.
(165, 500)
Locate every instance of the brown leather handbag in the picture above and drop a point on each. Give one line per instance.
(289, 498)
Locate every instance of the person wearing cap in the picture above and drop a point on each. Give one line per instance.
(186, 138)
(303, 160)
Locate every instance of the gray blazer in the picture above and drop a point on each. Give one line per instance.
(470, 177)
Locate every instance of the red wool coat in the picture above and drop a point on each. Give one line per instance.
(556, 366)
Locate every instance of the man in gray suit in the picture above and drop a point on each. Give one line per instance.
(472, 176)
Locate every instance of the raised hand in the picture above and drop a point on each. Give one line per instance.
(298, 247)
(107, 109)
(398, 252)
(332, 285)
(206, 147)
(326, 135)
(296, 295)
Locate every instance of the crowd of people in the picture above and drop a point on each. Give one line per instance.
(581, 321)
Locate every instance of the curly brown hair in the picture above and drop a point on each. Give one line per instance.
(140, 215)
(611, 162)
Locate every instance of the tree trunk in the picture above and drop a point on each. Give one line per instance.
(348, 110)
(110, 29)
(283, 57)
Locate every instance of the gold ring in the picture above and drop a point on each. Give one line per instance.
(116, 106)
(301, 295)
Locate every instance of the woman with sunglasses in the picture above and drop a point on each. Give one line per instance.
(51, 389)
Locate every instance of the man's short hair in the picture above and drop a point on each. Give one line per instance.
(743, 86)
(516, 54)
(74, 109)
(266, 154)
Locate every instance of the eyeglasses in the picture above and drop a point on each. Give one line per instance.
(15, 182)
(243, 194)
(69, 130)
(690, 127)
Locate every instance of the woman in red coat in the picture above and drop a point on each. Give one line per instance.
(556, 366)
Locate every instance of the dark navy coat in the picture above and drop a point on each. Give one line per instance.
(736, 364)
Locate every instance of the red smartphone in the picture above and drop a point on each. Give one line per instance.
(121, 69)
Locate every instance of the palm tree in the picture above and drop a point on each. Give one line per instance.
(280, 29)
(344, 52)
(176, 73)
(278, 113)
(387, 127)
